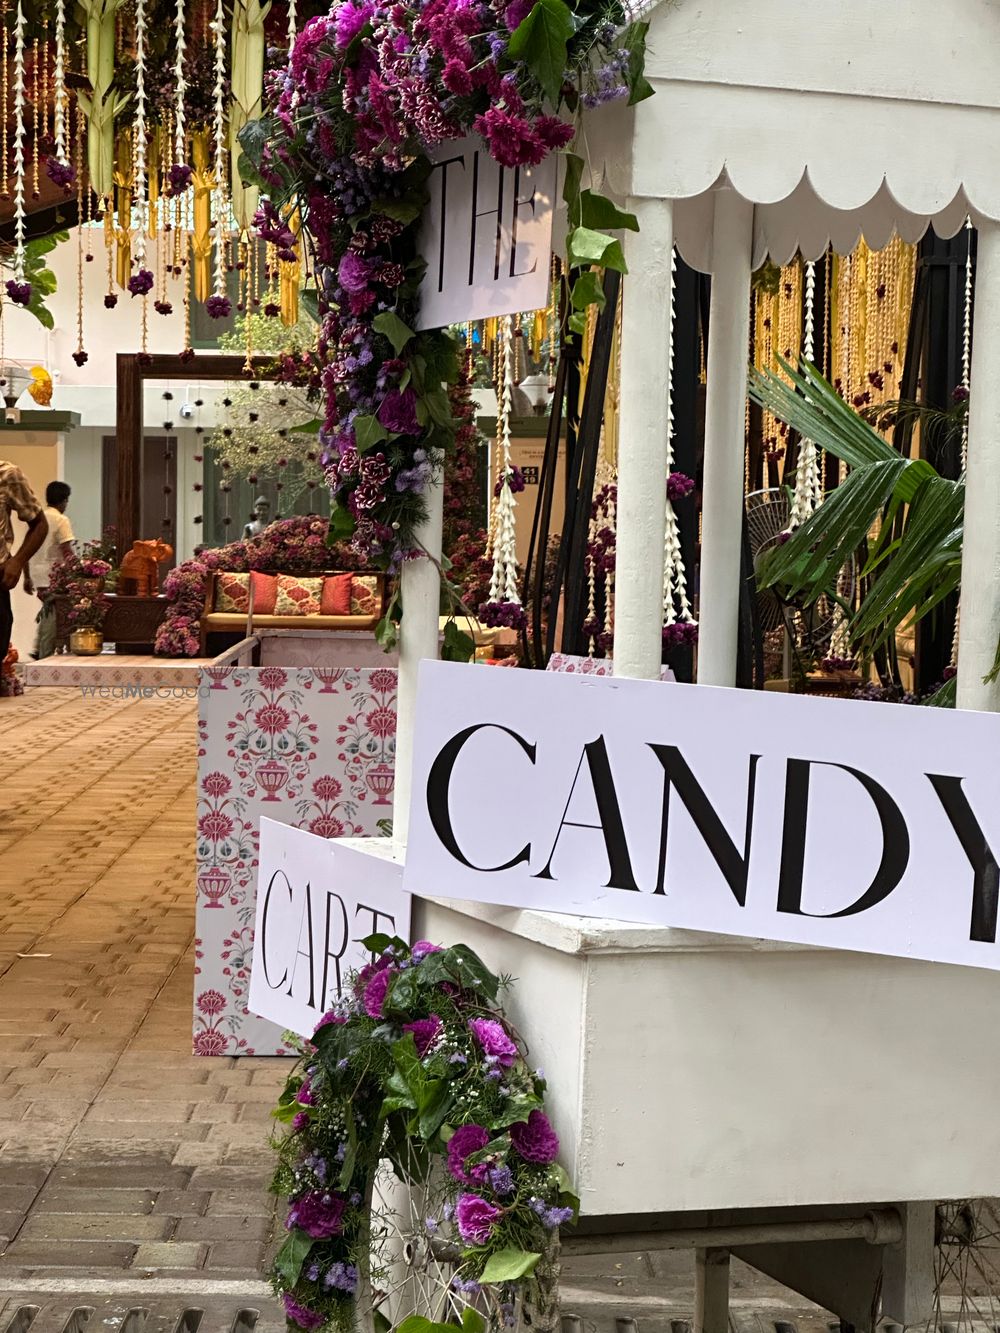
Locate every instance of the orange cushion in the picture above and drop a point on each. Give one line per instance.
(232, 593)
(265, 593)
(364, 595)
(297, 596)
(336, 598)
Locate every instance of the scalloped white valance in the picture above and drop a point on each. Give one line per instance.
(835, 123)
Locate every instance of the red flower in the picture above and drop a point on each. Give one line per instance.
(327, 788)
(216, 784)
(272, 678)
(210, 1042)
(215, 825)
(211, 1002)
(383, 681)
(326, 826)
(381, 722)
(271, 718)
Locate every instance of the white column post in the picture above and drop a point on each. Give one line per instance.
(725, 417)
(420, 588)
(642, 442)
(711, 1291)
(979, 628)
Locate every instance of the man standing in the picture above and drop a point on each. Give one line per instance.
(57, 546)
(16, 497)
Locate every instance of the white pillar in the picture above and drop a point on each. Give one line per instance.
(979, 627)
(725, 418)
(420, 588)
(642, 442)
(711, 1291)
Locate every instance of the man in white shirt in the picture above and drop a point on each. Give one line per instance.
(57, 545)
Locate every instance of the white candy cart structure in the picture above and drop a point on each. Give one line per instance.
(779, 1103)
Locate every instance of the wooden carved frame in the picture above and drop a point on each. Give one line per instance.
(132, 370)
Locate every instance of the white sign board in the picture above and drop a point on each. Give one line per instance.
(486, 236)
(819, 821)
(316, 900)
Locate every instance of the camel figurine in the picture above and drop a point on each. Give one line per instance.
(139, 576)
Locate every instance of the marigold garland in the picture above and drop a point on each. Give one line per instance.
(417, 1069)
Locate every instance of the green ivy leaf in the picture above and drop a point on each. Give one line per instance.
(587, 246)
(392, 327)
(577, 323)
(587, 290)
(438, 406)
(406, 209)
(379, 943)
(508, 1265)
(597, 211)
(540, 41)
(416, 1323)
(292, 1256)
(458, 646)
(341, 523)
(472, 1321)
(639, 87)
(434, 1105)
(368, 431)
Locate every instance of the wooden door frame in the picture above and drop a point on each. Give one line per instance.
(133, 369)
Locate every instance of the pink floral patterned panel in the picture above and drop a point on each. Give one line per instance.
(310, 746)
(592, 666)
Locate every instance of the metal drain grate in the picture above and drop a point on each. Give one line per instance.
(38, 1314)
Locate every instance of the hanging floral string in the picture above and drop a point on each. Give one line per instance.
(18, 290)
(504, 606)
(679, 626)
(58, 167)
(293, 25)
(180, 172)
(141, 282)
(218, 304)
(808, 491)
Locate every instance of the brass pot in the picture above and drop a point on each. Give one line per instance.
(87, 642)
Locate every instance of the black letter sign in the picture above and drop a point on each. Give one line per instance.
(438, 782)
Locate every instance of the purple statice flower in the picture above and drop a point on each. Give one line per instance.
(312, 1273)
(556, 1217)
(301, 1314)
(501, 1180)
(467, 1286)
(140, 283)
(431, 1225)
(317, 1165)
(424, 1031)
(19, 292)
(219, 307)
(375, 992)
(476, 1219)
(465, 1141)
(60, 173)
(508, 615)
(458, 1058)
(493, 1039)
(398, 412)
(343, 1277)
(319, 1214)
(534, 1139)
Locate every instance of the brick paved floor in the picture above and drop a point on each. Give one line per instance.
(118, 1149)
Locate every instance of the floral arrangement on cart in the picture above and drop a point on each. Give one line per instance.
(342, 150)
(419, 1167)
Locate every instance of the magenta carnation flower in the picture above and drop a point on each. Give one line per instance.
(424, 1031)
(465, 1141)
(327, 1019)
(535, 1140)
(398, 412)
(375, 992)
(353, 273)
(301, 1314)
(476, 1219)
(318, 1213)
(493, 1039)
(350, 20)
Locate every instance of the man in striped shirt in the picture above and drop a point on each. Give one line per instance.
(16, 497)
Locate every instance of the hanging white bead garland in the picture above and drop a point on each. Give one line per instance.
(676, 606)
(808, 490)
(59, 84)
(966, 367)
(19, 134)
(219, 129)
(180, 87)
(292, 24)
(139, 133)
(503, 584)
